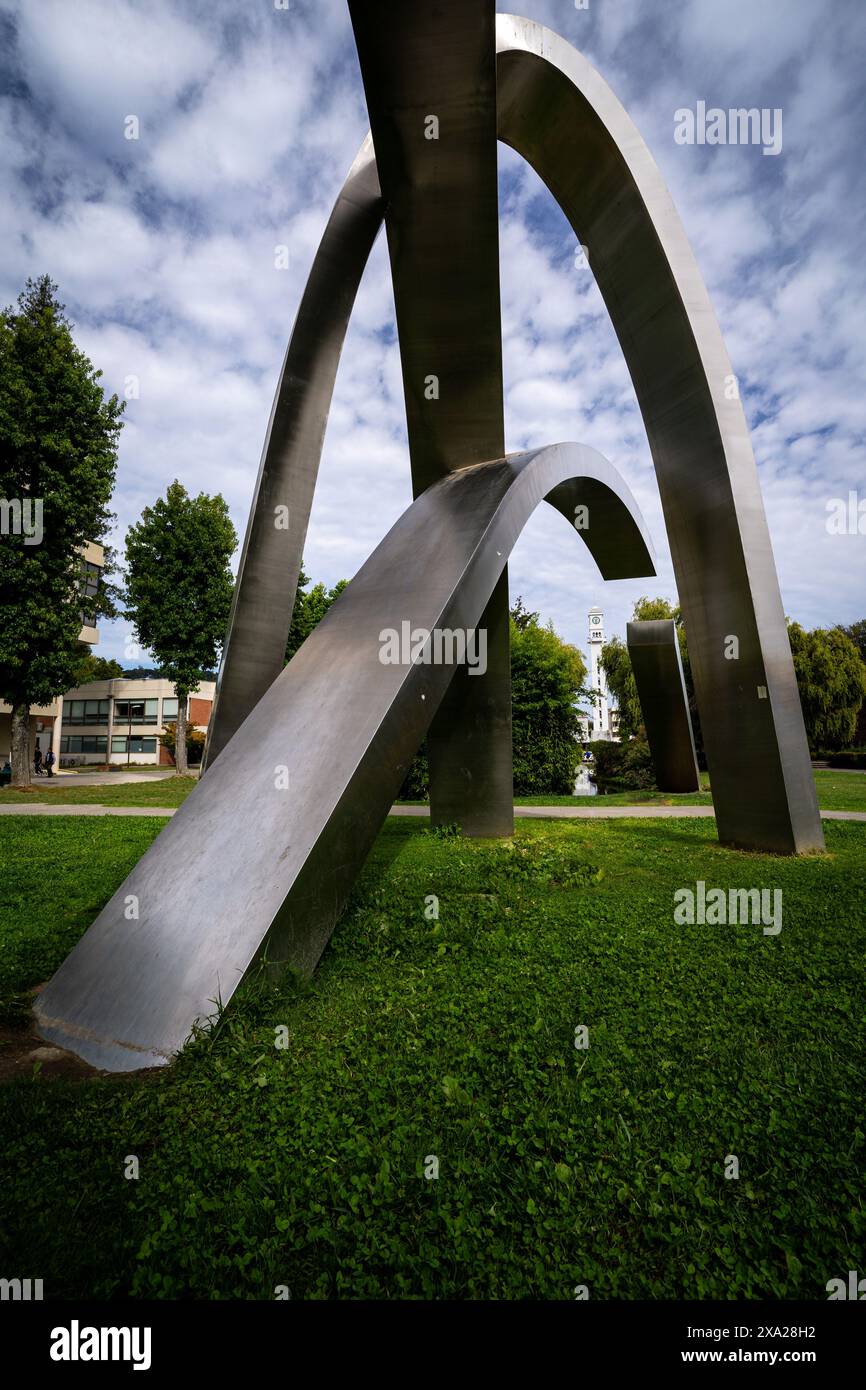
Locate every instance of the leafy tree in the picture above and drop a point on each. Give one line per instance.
(95, 668)
(857, 634)
(616, 663)
(831, 678)
(521, 616)
(310, 608)
(547, 682)
(58, 456)
(195, 742)
(179, 588)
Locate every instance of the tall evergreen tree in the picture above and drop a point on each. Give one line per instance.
(58, 458)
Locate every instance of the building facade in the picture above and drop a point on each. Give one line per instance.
(121, 720)
(45, 719)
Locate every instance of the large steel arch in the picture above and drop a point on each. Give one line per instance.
(557, 112)
(258, 861)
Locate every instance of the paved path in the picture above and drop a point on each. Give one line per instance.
(40, 808)
(102, 779)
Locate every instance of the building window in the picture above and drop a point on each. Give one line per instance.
(89, 588)
(85, 712)
(83, 743)
(169, 710)
(122, 743)
(136, 711)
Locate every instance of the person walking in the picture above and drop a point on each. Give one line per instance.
(37, 761)
(49, 762)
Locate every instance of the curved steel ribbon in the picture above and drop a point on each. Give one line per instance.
(264, 595)
(654, 649)
(556, 111)
(560, 115)
(259, 859)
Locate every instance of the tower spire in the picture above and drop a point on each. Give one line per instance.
(599, 718)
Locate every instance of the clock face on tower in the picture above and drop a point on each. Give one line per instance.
(594, 619)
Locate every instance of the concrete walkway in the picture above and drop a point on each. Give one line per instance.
(102, 779)
(536, 812)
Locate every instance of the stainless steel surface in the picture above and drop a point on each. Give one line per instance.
(250, 864)
(259, 859)
(442, 219)
(658, 672)
(557, 112)
(255, 646)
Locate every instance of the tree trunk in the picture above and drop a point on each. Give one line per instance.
(21, 746)
(180, 734)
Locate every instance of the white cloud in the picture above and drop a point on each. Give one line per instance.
(164, 252)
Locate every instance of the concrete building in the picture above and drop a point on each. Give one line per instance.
(120, 720)
(45, 719)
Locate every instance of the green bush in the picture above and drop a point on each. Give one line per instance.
(547, 677)
(416, 784)
(195, 742)
(850, 757)
(626, 766)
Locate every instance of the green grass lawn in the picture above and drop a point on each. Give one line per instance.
(837, 791)
(163, 791)
(454, 1038)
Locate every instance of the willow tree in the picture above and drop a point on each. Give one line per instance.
(179, 589)
(831, 679)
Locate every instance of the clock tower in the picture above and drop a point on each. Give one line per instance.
(599, 715)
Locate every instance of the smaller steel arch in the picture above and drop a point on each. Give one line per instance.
(263, 853)
(654, 649)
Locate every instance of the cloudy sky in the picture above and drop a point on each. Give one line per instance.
(249, 117)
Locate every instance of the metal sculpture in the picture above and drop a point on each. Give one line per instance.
(259, 859)
(658, 672)
(302, 763)
(556, 111)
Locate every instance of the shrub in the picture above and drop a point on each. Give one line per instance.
(195, 741)
(850, 757)
(626, 766)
